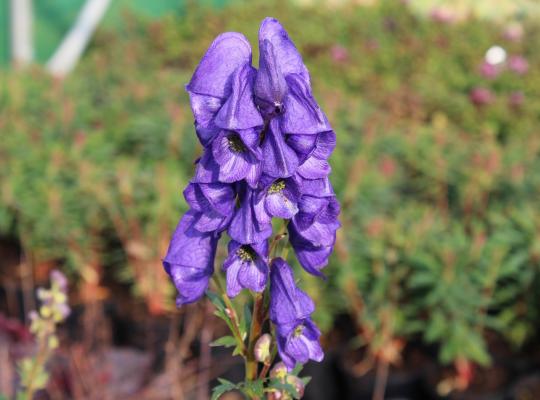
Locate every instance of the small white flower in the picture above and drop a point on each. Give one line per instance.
(495, 55)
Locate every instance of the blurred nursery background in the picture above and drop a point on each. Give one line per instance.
(433, 291)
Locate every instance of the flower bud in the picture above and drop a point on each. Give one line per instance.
(262, 348)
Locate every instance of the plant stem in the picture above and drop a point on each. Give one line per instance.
(381, 376)
(235, 326)
(257, 322)
(40, 359)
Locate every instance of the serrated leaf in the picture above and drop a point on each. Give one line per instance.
(224, 386)
(225, 341)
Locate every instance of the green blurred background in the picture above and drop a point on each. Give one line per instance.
(437, 167)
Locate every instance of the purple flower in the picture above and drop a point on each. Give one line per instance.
(290, 310)
(246, 267)
(277, 198)
(231, 157)
(298, 342)
(220, 89)
(190, 259)
(283, 94)
(288, 304)
(313, 231)
(247, 225)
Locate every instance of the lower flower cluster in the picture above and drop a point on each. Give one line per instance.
(266, 149)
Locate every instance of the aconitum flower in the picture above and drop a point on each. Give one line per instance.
(266, 145)
(246, 267)
(290, 310)
(190, 259)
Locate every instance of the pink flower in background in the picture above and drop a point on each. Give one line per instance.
(481, 96)
(513, 32)
(489, 71)
(516, 99)
(443, 15)
(518, 64)
(339, 53)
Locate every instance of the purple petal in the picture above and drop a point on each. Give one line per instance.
(314, 187)
(245, 228)
(270, 85)
(233, 284)
(204, 110)
(280, 206)
(190, 259)
(289, 59)
(239, 111)
(212, 76)
(287, 302)
(207, 170)
(303, 144)
(280, 160)
(253, 275)
(314, 168)
(302, 113)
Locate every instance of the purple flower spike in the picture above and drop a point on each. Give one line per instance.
(298, 342)
(288, 303)
(246, 267)
(189, 260)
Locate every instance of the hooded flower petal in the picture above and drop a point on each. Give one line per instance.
(270, 85)
(317, 220)
(302, 113)
(239, 111)
(189, 260)
(285, 52)
(287, 302)
(315, 187)
(229, 51)
(245, 228)
(280, 161)
(312, 258)
(246, 267)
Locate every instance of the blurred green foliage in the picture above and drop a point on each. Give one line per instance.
(440, 197)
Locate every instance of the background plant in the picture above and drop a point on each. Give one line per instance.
(441, 212)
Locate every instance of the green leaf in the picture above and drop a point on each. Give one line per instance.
(254, 388)
(224, 386)
(297, 369)
(246, 321)
(225, 341)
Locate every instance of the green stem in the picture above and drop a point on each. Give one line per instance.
(235, 326)
(257, 322)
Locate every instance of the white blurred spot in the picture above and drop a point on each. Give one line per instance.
(495, 55)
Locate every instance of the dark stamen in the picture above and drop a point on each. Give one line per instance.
(246, 253)
(236, 144)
